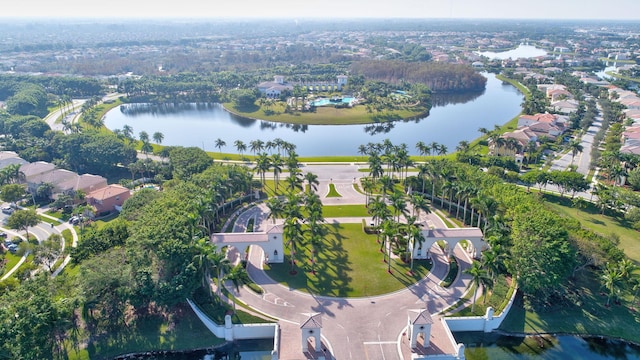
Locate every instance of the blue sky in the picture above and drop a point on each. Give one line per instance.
(502, 9)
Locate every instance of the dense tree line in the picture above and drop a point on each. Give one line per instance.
(76, 87)
(439, 77)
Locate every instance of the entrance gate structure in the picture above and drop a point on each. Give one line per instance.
(451, 237)
(270, 241)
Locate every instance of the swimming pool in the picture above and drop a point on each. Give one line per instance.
(325, 101)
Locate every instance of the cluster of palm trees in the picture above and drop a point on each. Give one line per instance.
(302, 211)
(432, 148)
(617, 276)
(484, 272)
(11, 174)
(457, 190)
(280, 146)
(211, 260)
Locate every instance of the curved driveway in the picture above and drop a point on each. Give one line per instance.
(353, 328)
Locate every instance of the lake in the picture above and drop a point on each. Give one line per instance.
(451, 120)
(481, 346)
(522, 51)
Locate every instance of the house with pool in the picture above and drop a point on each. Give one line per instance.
(274, 89)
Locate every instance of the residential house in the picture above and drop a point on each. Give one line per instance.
(55, 177)
(523, 136)
(85, 183)
(558, 120)
(565, 107)
(10, 158)
(108, 199)
(31, 170)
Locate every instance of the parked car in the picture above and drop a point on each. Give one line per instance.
(12, 248)
(3, 235)
(7, 210)
(74, 220)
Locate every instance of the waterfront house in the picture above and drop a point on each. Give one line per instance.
(108, 199)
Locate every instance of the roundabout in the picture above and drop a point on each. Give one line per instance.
(365, 327)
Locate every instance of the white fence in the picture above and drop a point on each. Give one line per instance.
(231, 332)
(486, 323)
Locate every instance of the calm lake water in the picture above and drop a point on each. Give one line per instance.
(480, 346)
(451, 120)
(522, 51)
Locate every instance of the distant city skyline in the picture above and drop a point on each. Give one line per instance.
(327, 9)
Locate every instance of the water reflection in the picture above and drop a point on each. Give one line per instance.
(454, 98)
(376, 129)
(480, 346)
(241, 349)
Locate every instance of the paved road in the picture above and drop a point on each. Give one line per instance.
(582, 160)
(70, 117)
(41, 232)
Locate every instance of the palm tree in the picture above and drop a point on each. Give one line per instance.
(375, 166)
(479, 277)
(493, 260)
(576, 148)
(367, 187)
(386, 184)
(292, 232)
(204, 248)
(417, 239)
(294, 180)
(312, 181)
(442, 150)
(463, 147)
(263, 164)
(241, 147)
(220, 144)
(435, 147)
(611, 278)
(421, 147)
(276, 207)
(389, 231)
(399, 204)
(256, 146)
(276, 164)
(158, 137)
(238, 277)
(419, 203)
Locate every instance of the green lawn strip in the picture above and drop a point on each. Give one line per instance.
(101, 222)
(48, 220)
(348, 265)
(495, 299)
(324, 115)
(12, 260)
(183, 331)
(333, 192)
(618, 76)
(452, 274)
(344, 211)
(68, 239)
(591, 219)
(586, 314)
(55, 214)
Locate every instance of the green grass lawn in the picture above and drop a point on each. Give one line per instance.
(324, 115)
(333, 192)
(344, 211)
(605, 225)
(349, 265)
(587, 315)
(180, 330)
